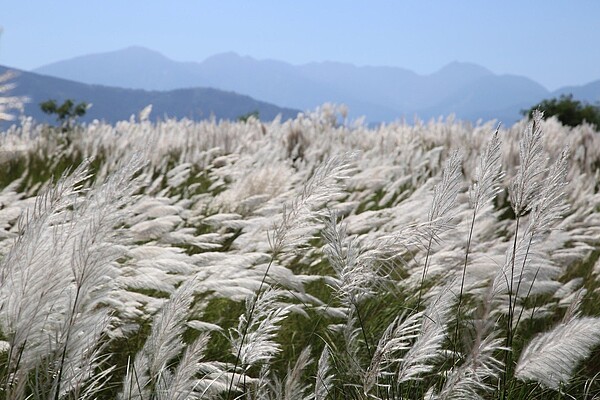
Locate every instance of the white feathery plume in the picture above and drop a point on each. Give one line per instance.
(550, 203)
(428, 346)
(294, 388)
(144, 113)
(440, 212)
(483, 190)
(266, 386)
(152, 363)
(551, 357)
(258, 345)
(32, 293)
(355, 276)
(93, 254)
(214, 380)
(527, 182)
(183, 382)
(529, 270)
(473, 377)
(412, 345)
(9, 102)
(397, 338)
(322, 187)
(74, 235)
(324, 378)
(445, 192)
(487, 175)
(384, 199)
(352, 340)
(574, 300)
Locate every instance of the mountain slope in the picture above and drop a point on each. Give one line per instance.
(487, 98)
(114, 104)
(381, 93)
(589, 93)
(133, 68)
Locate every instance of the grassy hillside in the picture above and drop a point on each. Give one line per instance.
(299, 260)
(112, 104)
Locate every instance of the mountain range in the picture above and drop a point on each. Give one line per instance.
(381, 94)
(113, 104)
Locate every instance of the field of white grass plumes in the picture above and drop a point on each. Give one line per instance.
(305, 259)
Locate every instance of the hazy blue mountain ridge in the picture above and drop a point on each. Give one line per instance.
(114, 104)
(589, 92)
(380, 93)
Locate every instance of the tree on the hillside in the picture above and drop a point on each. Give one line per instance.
(66, 113)
(246, 117)
(569, 111)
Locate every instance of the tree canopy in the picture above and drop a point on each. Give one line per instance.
(66, 113)
(569, 111)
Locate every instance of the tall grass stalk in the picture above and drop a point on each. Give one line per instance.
(440, 212)
(524, 188)
(483, 190)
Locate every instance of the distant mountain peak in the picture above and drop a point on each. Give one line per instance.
(227, 56)
(125, 55)
(463, 68)
(330, 63)
(139, 48)
(139, 51)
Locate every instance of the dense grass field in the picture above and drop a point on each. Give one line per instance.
(307, 259)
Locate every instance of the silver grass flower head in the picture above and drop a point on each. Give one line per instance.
(162, 346)
(324, 185)
(488, 174)
(295, 388)
(260, 323)
(183, 381)
(447, 189)
(356, 275)
(324, 377)
(395, 341)
(427, 348)
(527, 182)
(476, 375)
(550, 204)
(551, 357)
(7, 102)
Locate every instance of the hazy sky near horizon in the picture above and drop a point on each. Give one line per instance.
(556, 43)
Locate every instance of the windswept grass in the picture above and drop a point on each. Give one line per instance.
(300, 260)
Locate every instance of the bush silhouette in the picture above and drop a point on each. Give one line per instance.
(569, 111)
(66, 113)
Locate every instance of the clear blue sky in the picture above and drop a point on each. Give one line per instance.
(554, 42)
